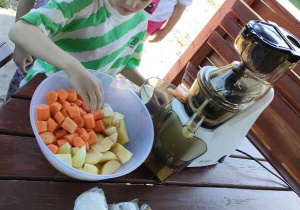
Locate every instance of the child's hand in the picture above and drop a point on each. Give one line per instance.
(158, 36)
(87, 86)
(22, 59)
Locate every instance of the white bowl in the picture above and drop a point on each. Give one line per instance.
(121, 99)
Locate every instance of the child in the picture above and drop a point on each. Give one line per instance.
(76, 35)
(161, 11)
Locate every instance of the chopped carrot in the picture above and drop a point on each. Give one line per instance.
(73, 104)
(98, 115)
(59, 118)
(65, 104)
(69, 125)
(82, 112)
(65, 112)
(89, 130)
(41, 126)
(92, 137)
(54, 108)
(77, 130)
(53, 148)
(51, 97)
(89, 121)
(79, 121)
(72, 95)
(48, 138)
(61, 142)
(78, 142)
(83, 135)
(62, 95)
(60, 134)
(70, 137)
(43, 112)
(79, 102)
(79, 97)
(99, 126)
(73, 111)
(52, 125)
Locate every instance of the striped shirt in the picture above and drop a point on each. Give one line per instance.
(93, 32)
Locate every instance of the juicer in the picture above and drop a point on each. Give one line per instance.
(222, 104)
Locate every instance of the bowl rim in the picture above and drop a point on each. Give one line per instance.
(75, 171)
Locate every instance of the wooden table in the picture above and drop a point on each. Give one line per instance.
(28, 181)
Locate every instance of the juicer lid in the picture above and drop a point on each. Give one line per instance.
(270, 35)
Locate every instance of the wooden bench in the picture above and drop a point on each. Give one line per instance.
(276, 133)
(6, 54)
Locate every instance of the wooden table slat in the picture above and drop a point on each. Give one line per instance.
(21, 158)
(56, 196)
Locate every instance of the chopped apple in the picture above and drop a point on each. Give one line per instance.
(65, 149)
(107, 121)
(75, 150)
(114, 138)
(107, 156)
(78, 159)
(107, 111)
(110, 130)
(88, 168)
(122, 153)
(93, 157)
(102, 145)
(117, 118)
(122, 132)
(110, 167)
(65, 158)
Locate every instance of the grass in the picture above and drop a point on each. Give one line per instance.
(296, 3)
(4, 4)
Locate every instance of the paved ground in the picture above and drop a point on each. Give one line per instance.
(158, 58)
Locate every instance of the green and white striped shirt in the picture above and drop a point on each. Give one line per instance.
(93, 32)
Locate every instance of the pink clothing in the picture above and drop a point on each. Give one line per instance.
(154, 26)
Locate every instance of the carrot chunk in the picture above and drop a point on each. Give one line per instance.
(79, 121)
(72, 95)
(61, 142)
(82, 112)
(71, 137)
(60, 134)
(99, 126)
(43, 112)
(78, 102)
(41, 126)
(48, 138)
(65, 104)
(73, 111)
(92, 137)
(59, 118)
(89, 121)
(69, 125)
(53, 148)
(54, 108)
(52, 125)
(83, 135)
(78, 142)
(51, 97)
(62, 95)
(98, 115)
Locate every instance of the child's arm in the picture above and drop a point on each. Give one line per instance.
(177, 13)
(21, 57)
(134, 76)
(35, 42)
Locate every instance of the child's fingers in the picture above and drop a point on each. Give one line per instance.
(99, 95)
(85, 98)
(93, 99)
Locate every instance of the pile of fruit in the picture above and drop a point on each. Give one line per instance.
(91, 142)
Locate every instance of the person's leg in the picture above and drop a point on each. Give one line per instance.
(14, 83)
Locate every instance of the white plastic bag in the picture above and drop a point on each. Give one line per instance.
(93, 199)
